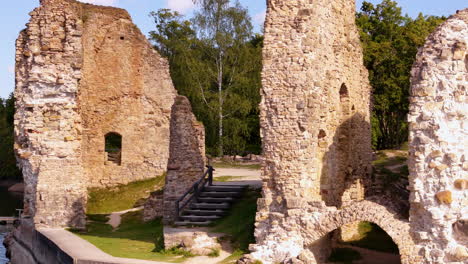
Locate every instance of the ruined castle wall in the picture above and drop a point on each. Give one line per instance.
(315, 119)
(439, 144)
(186, 156)
(48, 125)
(126, 88)
(315, 102)
(83, 71)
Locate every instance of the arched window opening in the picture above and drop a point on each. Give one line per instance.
(344, 93)
(113, 147)
(322, 134)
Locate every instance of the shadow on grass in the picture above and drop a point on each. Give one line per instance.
(375, 238)
(123, 197)
(344, 255)
(132, 239)
(239, 224)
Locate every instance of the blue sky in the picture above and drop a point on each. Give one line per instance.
(14, 16)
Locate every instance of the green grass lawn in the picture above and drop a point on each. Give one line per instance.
(137, 239)
(228, 178)
(106, 201)
(239, 225)
(383, 162)
(239, 165)
(375, 238)
(133, 239)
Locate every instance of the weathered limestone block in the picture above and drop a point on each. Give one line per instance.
(186, 156)
(198, 242)
(439, 142)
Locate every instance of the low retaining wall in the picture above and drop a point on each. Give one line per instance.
(27, 245)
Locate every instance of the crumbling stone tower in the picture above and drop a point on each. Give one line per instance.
(310, 48)
(84, 74)
(439, 144)
(315, 111)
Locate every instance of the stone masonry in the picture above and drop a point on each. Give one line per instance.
(439, 144)
(186, 156)
(83, 71)
(315, 120)
(293, 222)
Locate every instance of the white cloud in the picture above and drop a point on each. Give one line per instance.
(181, 6)
(259, 18)
(100, 2)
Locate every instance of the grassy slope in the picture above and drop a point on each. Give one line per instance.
(389, 158)
(239, 225)
(226, 164)
(136, 239)
(106, 201)
(133, 239)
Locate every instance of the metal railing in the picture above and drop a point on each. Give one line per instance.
(194, 191)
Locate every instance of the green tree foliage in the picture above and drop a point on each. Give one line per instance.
(391, 41)
(215, 61)
(8, 169)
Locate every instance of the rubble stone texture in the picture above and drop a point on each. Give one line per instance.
(315, 120)
(186, 155)
(198, 241)
(439, 144)
(83, 71)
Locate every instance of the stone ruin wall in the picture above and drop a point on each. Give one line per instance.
(315, 115)
(126, 88)
(187, 161)
(439, 144)
(315, 119)
(83, 71)
(316, 140)
(48, 124)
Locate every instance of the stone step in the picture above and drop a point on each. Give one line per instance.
(203, 212)
(224, 188)
(210, 206)
(199, 218)
(215, 199)
(192, 223)
(220, 194)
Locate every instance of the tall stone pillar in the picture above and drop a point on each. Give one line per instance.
(48, 125)
(315, 119)
(186, 155)
(439, 144)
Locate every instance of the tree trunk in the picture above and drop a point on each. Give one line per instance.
(221, 102)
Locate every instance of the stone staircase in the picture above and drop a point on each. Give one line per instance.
(211, 203)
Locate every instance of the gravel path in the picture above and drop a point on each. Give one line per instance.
(374, 257)
(115, 218)
(249, 174)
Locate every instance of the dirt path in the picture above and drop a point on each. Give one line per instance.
(374, 257)
(115, 218)
(246, 174)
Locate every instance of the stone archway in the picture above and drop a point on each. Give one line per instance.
(386, 218)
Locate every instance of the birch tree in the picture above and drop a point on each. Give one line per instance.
(223, 29)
